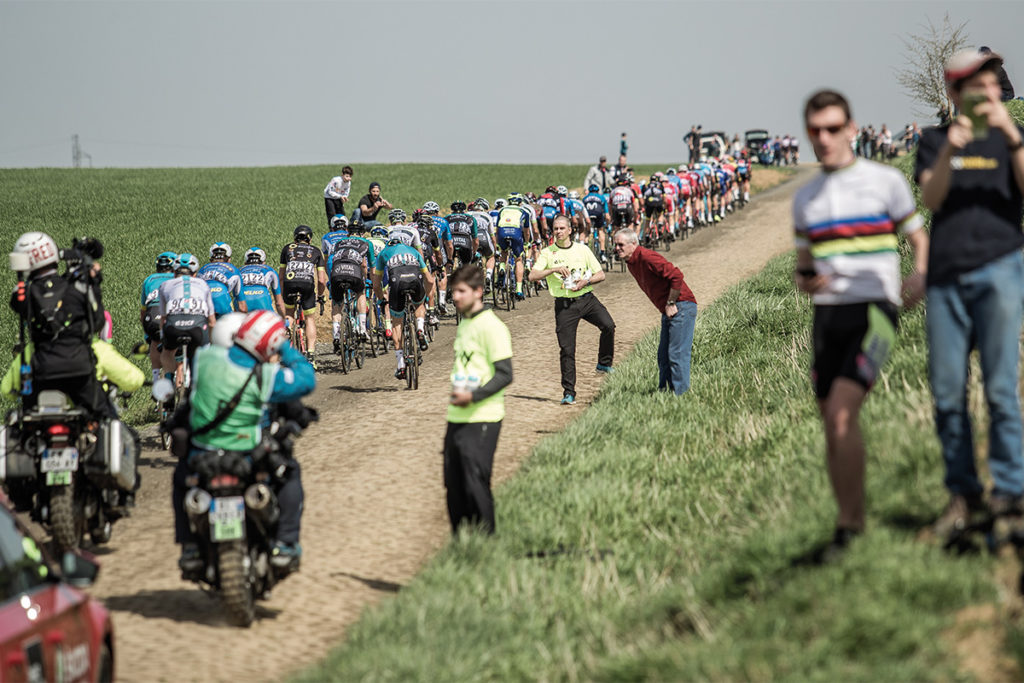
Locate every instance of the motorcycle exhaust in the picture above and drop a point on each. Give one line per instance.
(197, 502)
(258, 496)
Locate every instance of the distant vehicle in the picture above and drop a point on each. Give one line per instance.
(756, 139)
(49, 630)
(712, 143)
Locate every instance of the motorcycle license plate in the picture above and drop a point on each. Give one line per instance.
(60, 460)
(227, 518)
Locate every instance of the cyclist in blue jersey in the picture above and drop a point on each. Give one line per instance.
(444, 233)
(339, 231)
(224, 280)
(406, 272)
(581, 218)
(513, 228)
(150, 312)
(261, 286)
(596, 206)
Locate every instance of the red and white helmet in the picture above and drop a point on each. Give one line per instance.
(39, 247)
(262, 334)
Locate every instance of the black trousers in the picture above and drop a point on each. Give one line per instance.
(468, 460)
(568, 313)
(334, 208)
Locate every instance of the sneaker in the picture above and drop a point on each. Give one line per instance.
(400, 373)
(955, 519)
(568, 400)
(520, 296)
(387, 333)
(337, 347)
(285, 555)
(191, 560)
(606, 369)
(840, 541)
(422, 339)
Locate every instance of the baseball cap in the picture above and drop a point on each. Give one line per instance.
(603, 158)
(966, 63)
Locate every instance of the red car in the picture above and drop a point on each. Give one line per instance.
(49, 630)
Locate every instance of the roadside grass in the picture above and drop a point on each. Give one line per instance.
(668, 539)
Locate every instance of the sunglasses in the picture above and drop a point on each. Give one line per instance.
(619, 244)
(815, 131)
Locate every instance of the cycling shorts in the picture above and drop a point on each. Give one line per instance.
(179, 329)
(670, 205)
(485, 245)
(305, 291)
(346, 283)
(851, 341)
(406, 287)
(597, 221)
(464, 254)
(151, 323)
(623, 218)
(513, 242)
(684, 191)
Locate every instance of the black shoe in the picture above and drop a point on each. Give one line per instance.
(840, 541)
(337, 347)
(400, 373)
(422, 339)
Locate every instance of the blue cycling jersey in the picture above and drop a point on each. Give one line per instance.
(595, 204)
(397, 258)
(259, 285)
(225, 284)
(330, 239)
(577, 206)
(151, 288)
(444, 231)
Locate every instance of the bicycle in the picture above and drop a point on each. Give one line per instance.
(411, 347)
(297, 333)
(352, 345)
(502, 294)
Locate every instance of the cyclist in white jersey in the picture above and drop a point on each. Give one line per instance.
(186, 313)
(409, 235)
(481, 211)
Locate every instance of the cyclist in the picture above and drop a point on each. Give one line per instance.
(406, 273)
(465, 240)
(186, 313)
(671, 202)
(432, 256)
(550, 206)
(339, 231)
(513, 227)
(444, 233)
(409, 235)
(302, 275)
(581, 217)
(743, 172)
(379, 241)
(150, 312)
(596, 206)
(624, 203)
(224, 280)
(261, 287)
(349, 266)
(653, 194)
(480, 210)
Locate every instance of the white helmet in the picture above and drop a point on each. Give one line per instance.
(255, 255)
(40, 249)
(221, 246)
(574, 195)
(223, 333)
(562, 190)
(262, 334)
(499, 203)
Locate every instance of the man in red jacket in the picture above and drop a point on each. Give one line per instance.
(663, 284)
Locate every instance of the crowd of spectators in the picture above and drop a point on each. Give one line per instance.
(882, 144)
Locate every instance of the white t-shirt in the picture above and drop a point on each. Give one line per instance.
(338, 188)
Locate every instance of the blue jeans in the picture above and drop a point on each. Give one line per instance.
(675, 347)
(982, 309)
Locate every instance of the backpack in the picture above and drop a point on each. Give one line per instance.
(50, 318)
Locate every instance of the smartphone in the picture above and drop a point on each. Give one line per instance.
(969, 100)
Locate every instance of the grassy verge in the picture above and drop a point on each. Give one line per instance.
(664, 539)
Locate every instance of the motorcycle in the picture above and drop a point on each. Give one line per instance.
(73, 473)
(233, 510)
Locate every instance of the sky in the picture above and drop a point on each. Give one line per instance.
(148, 83)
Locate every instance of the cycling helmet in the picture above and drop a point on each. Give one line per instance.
(39, 247)
(357, 228)
(165, 260)
(531, 197)
(394, 239)
(187, 262)
(379, 231)
(255, 255)
(303, 233)
(670, 171)
(396, 216)
(482, 204)
(682, 167)
(262, 334)
(432, 207)
(499, 203)
(551, 189)
(223, 332)
(339, 222)
(562, 190)
(593, 188)
(574, 195)
(220, 250)
(623, 179)
(458, 207)
(515, 200)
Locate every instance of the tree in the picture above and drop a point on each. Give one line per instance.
(926, 54)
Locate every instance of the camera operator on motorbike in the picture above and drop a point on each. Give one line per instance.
(234, 380)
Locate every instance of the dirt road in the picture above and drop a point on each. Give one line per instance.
(375, 508)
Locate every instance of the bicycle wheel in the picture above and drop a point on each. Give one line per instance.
(346, 344)
(408, 344)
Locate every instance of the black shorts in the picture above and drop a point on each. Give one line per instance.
(346, 283)
(179, 329)
(306, 292)
(405, 287)
(622, 218)
(464, 254)
(151, 324)
(851, 341)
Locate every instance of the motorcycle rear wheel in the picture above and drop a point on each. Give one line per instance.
(235, 586)
(66, 529)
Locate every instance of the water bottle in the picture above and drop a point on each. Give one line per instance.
(26, 379)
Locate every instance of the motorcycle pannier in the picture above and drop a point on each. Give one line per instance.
(15, 463)
(119, 446)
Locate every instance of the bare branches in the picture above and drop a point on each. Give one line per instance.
(926, 54)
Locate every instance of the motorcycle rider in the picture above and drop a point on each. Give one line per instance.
(63, 314)
(222, 377)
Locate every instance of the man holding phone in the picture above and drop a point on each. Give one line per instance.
(971, 174)
(482, 370)
(370, 205)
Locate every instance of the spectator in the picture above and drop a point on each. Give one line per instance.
(1006, 88)
(336, 194)
(623, 145)
(663, 284)
(599, 175)
(975, 277)
(886, 142)
(369, 206)
(620, 167)
(692, 140)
